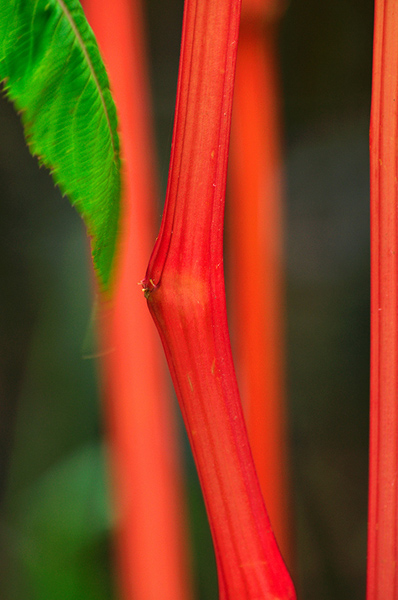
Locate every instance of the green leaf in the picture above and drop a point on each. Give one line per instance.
(53, 72)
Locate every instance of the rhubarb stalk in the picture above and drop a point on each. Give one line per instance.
(151, 550)
(255, 261)
(383, 497)
(184, 286)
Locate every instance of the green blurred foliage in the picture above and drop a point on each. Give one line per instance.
(54, 518)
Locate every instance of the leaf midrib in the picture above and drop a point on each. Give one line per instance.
(90, 65)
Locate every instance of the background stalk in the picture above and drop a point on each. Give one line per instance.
(383, 499)
(255, 255)
(151, 548)
(184, 285)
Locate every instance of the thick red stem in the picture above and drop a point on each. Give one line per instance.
(383, 489)
(185, 290)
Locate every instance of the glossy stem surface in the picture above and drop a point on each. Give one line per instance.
(185, 290)
(383, 489)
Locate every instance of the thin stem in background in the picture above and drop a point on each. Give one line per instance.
(383, 490)
(151, 549)
(185, 290)
(255, 255)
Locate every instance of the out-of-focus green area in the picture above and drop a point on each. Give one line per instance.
(55, 519)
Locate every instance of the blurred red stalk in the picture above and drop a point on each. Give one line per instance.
(147, 492)
(255, 252)
(383, 490)
(185, 290)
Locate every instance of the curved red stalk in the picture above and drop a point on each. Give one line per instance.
(383, 490)
(151, 550)
(185, 290)
(255, 255)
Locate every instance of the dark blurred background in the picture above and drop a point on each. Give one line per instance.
(54, 513)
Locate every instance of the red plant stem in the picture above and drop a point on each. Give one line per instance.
(383, 490)
(184, 285)
(255, 256)
(147, 492)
